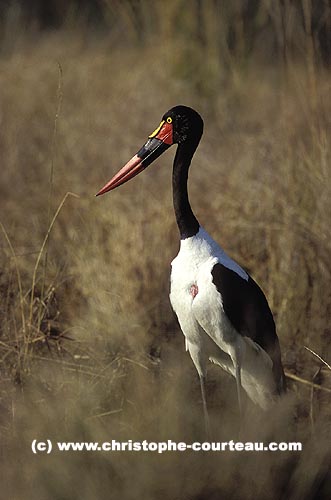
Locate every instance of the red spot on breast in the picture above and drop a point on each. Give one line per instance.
(194, 290)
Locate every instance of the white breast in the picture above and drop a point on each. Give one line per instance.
(209, 335)
(193, 266)
(196, 250)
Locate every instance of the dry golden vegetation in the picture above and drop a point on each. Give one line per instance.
(89, 347)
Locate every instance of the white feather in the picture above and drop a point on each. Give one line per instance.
(209, 335)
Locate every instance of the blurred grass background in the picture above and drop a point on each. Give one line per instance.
(89, 347)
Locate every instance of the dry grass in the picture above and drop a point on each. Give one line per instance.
(89, 347)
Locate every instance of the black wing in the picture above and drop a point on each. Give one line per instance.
(247, 309)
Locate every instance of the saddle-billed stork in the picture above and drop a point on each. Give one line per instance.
(222, 312)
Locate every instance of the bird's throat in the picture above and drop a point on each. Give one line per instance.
(188, 224)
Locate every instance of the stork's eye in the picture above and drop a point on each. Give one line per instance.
(169, 119)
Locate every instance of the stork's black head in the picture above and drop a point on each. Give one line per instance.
(186, 122)
(178, 125)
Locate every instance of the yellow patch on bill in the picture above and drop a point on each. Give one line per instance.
(156, 131)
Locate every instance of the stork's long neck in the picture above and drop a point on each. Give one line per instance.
(188, 224)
